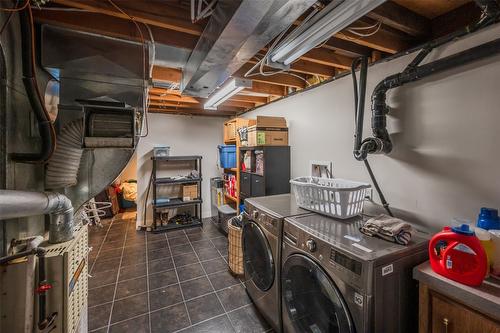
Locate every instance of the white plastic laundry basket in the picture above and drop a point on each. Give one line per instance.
(335, 197)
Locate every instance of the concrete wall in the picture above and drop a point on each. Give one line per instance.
(185, 136)
(445, 130)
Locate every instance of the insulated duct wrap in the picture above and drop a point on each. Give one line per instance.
(62, 170)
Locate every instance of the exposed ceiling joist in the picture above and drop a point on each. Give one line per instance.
(174, 98)
(191, 112)
(261, 88)
(383, 40)
(254, 99)
(281, 79)
(347, 48)
(162, 21)
(455, 19)
(401, 18)
(112, 26)
(328, 57)
(172, 105)
(166, 74)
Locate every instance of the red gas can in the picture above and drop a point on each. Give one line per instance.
(457, 254)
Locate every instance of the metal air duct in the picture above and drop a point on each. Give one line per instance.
(237, 30)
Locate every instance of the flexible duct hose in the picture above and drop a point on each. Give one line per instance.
(62, 169)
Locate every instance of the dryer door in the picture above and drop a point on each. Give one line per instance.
(258, 258)
(311, 301)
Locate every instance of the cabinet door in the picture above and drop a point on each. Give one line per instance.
(245, 184)
(258, 186)
(451, 317)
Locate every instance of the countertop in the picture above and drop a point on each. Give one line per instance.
(485, 298)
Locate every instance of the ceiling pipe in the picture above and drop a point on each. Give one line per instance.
(15, 204)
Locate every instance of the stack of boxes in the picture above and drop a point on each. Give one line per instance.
(268, 131)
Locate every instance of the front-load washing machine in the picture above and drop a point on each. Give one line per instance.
(262, 230)
(335, 279)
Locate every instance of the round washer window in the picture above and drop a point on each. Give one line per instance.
(311, 300)
(258, 258)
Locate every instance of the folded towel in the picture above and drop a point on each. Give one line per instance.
(388, 228)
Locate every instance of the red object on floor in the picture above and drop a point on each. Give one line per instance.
(457, 254)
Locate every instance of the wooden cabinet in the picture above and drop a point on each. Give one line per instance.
(441, 314)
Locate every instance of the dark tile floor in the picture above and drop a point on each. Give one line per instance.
(171, 282)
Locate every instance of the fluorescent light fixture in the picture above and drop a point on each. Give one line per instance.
(336, 16)
(228, 89)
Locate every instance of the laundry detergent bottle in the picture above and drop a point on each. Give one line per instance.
(457, 254)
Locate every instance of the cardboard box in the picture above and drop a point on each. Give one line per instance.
(189, 192)
(263, 121)
(267, 136)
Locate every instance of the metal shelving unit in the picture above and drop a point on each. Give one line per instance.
(176, 202)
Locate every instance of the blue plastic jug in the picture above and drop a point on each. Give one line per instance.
(488, 219)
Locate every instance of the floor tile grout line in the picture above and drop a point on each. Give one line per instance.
(203, 321)
(211, 284)
(147, 283)
(100, 247)
(166, 286)
(117, 279)
(176, 304)
(227, 263)
(177, 275)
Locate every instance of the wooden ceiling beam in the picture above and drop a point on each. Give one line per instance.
(281, 79)
(305, 67)
(174, 98)
(113, 27)
(162, 21)
(455, 19)
(246, 105)
(171, 105)
(261, 88)
(253, 99)
(402, 19)
(191, 112)
(384, 40)
(166, 74)
(347, 48)
(328, 57)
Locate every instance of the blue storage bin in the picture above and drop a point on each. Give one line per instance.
(227, 155)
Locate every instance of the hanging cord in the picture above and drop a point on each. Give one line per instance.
(357, 138)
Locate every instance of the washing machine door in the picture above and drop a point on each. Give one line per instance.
(258, 258)
(311, 301)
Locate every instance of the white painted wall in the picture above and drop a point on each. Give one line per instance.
(130, 171)
(445, 130)
(186, 136)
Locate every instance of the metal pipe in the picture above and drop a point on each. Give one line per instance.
(14, 204)
(381, 142)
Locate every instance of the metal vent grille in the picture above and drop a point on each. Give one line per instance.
(77, 281)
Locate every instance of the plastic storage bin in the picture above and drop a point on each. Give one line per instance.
(161, 151)
(227, 156)
(336, 197)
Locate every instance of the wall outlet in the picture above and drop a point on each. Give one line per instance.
(322, 169)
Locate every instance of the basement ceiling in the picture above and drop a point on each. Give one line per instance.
(403, 24)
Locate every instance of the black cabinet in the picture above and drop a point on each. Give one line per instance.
(245, 184)
(267, 171)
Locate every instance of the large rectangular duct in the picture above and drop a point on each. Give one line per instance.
(237, 30)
